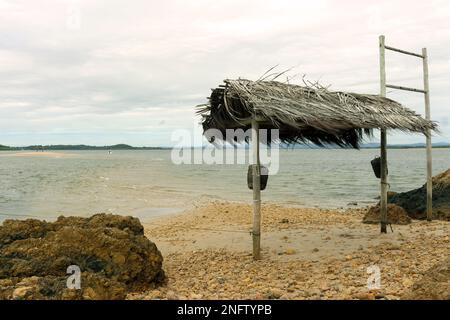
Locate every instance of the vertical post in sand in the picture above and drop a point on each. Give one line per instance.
(256, 232)
(383, 145)
(428, 117)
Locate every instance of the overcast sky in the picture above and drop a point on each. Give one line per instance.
(106, 71)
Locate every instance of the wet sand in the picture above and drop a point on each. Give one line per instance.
(306, 254)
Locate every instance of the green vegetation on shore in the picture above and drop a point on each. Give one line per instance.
(128, 147)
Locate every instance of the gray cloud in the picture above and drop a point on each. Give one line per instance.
(137, 69)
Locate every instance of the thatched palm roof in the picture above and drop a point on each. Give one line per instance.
(305, 113)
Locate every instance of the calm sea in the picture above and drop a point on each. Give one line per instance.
(147, 183)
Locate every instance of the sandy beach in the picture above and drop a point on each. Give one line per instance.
(306, 254)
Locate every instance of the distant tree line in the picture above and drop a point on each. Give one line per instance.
(128, 147)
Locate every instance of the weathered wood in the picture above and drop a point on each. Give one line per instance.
(403, 51)
(256, 233)
(383, 183)
(383, 153)
(404, 88)
(426, 92)
(426, 88)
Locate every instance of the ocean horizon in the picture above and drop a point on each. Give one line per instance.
(147, 184)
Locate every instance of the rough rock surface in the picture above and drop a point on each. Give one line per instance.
(415, 201)
(395, 215)
(111, 251)
(435, 284)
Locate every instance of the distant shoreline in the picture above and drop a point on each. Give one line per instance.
(128, 147)
(40, 148)
(50, 154)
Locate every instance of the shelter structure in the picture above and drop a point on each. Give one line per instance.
(303, 114)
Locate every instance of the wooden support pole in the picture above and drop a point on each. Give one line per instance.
(256, 233)
(383, 184)
(383, 145)
(404, 88)
(403, 51)
(426, 92)
(428, 117)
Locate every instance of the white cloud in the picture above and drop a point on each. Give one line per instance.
(138, 68)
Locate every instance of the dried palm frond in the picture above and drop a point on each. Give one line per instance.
(309, 113)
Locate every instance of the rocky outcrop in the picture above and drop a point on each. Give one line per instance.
(111, 251)
(415, 201)
(395, 215)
